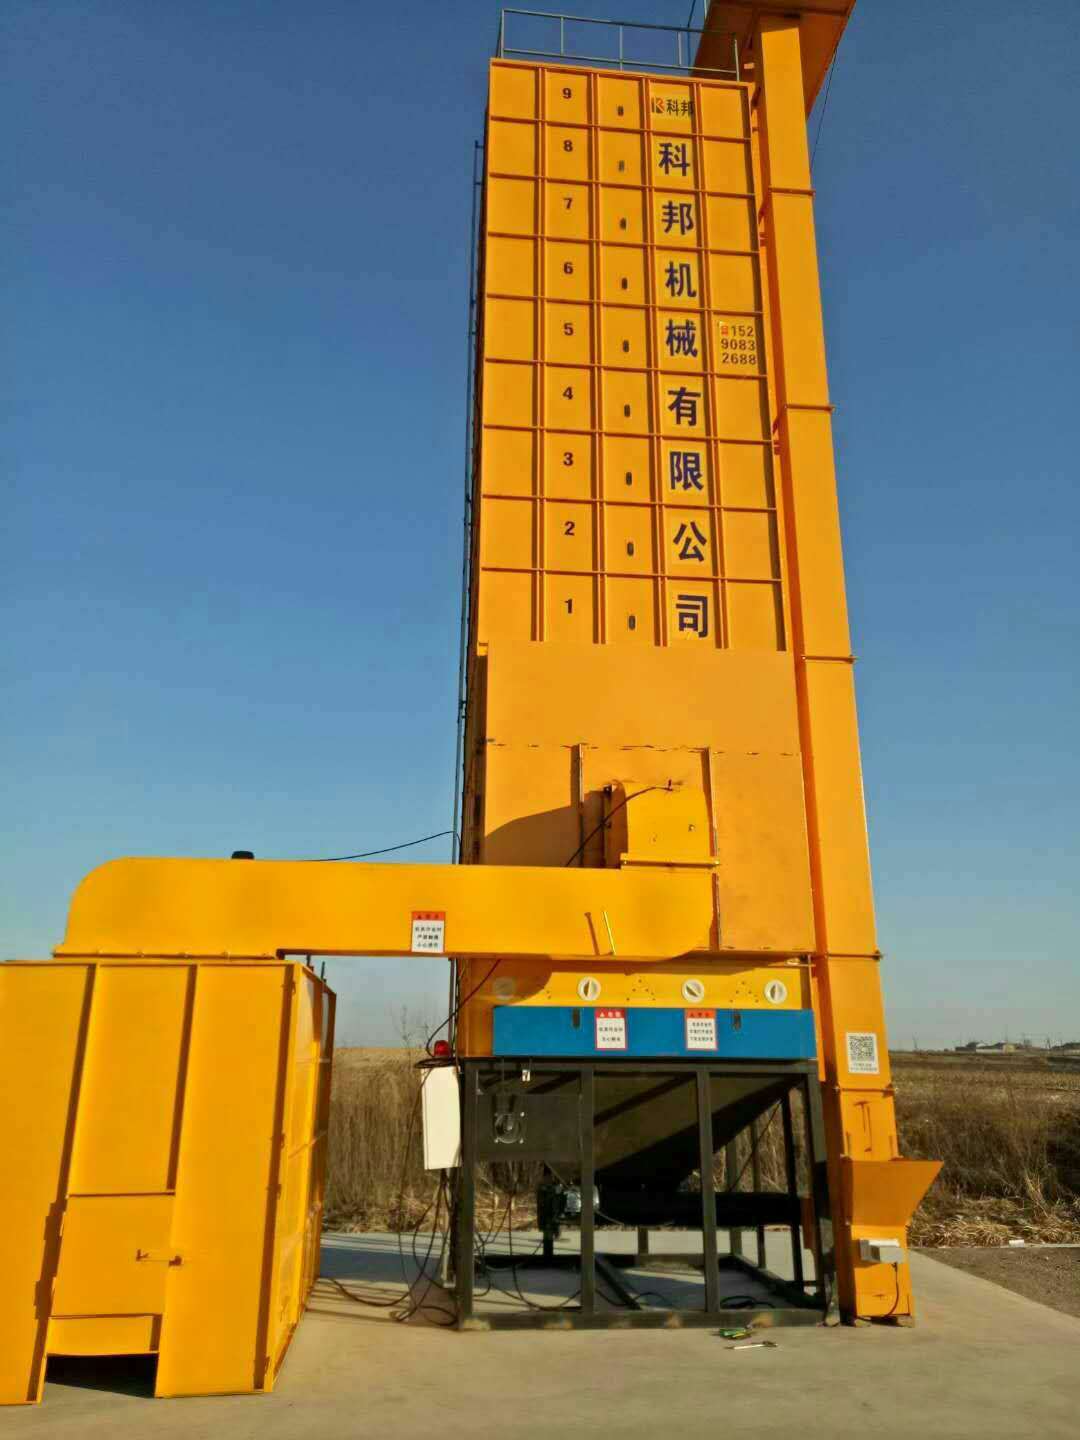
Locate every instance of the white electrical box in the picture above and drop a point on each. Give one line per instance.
(881, 1252)
(441, 1098)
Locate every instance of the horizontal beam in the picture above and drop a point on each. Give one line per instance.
(263, 908)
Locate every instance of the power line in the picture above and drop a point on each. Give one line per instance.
(386, 849)
(824, 105)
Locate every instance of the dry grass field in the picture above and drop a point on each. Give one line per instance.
(1007, 1127)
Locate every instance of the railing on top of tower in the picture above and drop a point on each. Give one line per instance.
(647, 49)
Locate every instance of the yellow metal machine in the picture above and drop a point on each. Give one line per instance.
(664, 833)
(660, 668)
(164, 1127)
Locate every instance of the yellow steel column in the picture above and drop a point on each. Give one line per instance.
(859, 1111)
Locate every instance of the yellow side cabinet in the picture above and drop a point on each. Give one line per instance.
(163, 1127)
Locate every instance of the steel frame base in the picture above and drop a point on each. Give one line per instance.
(789, 1302)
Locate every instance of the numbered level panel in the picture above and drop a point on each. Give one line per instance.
(626, 473)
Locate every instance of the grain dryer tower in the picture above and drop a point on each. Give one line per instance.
(662, 935)
(660, 677)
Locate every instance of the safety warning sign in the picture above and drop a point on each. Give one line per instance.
(429, 932)
(701, 1029)
(610, 1029)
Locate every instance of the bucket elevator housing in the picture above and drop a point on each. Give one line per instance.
(662, 927)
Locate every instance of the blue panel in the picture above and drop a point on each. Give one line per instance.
(562, 1030)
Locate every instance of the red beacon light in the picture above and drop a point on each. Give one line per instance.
(441, 1050)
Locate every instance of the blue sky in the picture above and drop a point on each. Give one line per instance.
(234, 281)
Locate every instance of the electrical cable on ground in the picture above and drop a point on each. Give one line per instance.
(389, 1304)
(513, 1270)
(415, 1303)
(361, 1299)
(412, 1303)
(637, 1294)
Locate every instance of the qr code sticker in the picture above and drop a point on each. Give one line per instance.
(862, 1056)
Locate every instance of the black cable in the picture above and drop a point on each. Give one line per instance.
(421, 1265)
(744, 1300)
(415, 1305)
(896, 1302)
(386, 849)
(450, 1019)
(360, 1299)
(665, 1300)
(401, 1189)
(515, 1262)
(513, 1269)
(397, 1299)
(433, 1278)
(637, 1294)
(481, 1242)
(610, 816)
(824, 106)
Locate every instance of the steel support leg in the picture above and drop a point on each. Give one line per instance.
(708, 1192)
(731, 1180)
(588, 1181)
(464, 1242)
(755, 1183)
(792, 1186)
(819, 1185)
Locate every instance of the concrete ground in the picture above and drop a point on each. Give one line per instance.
(981, 1362)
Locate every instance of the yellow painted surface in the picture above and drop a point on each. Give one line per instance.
(115, 1254)
(149, 1112)
(736, 985)
(43, 1009)
(631, 258)
(104, 1335)
(878, 1199)
(187, 907)
(683, 622)
(135, 1049)
(662, 765)
(820, 25)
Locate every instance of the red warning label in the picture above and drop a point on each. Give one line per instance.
(701, 1029)
(610, 1029)
(429, 932)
